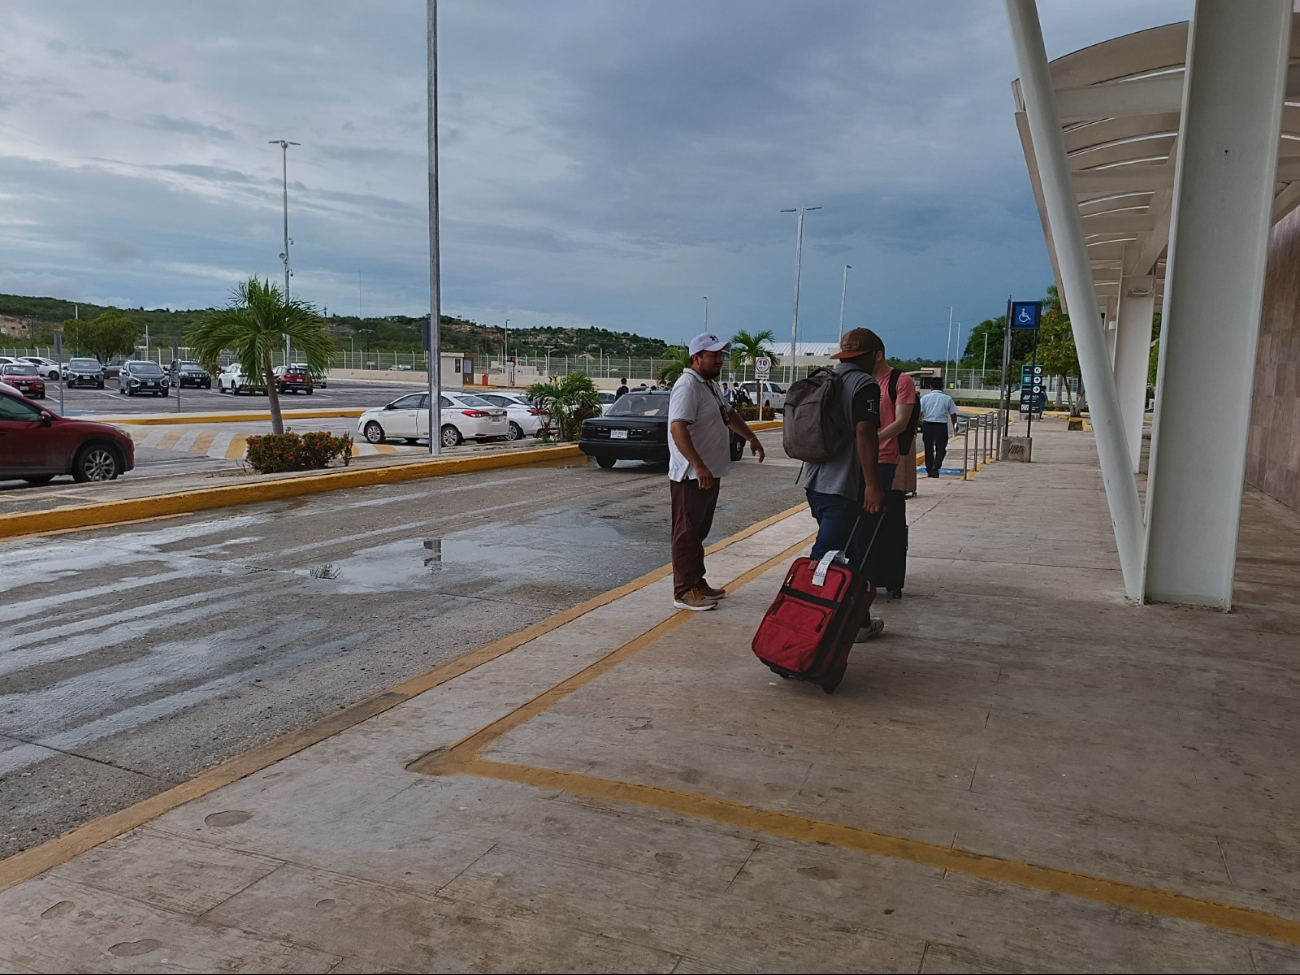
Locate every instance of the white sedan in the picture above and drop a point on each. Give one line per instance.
(234, 381)
(526, 420)
(461, 417)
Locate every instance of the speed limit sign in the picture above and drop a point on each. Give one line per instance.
(762, 367)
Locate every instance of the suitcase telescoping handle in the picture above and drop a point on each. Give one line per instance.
(819, 576)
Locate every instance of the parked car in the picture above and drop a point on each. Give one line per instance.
(190, 373)
(84, 372)
(525, 419)
(399, 367)
(139, 376)
(460, 418)
(49, 369)
(607, 399)
(771, 394)
(113, 367)
(233, 380)
(37, 445)
(9, 360)
(636, 428)
(24, 377)
(317, 377)
(292, 379)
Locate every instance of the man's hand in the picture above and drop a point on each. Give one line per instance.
(756, 448)
(873, 500)
(705, 477)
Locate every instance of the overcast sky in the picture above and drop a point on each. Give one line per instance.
(604, 162)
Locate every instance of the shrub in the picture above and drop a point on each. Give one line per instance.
(751, 413)
(276, 452)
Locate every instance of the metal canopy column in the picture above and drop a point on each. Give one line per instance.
(1137, 303)
(1066, 228)
(1223, 199)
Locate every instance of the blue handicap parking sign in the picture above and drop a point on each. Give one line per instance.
(1026, 314)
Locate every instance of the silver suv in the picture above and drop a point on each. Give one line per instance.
(142, 376)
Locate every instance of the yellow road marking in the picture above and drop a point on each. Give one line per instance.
(237, 448)
(170, 440)
(111, 524)
(37, 860)
(202, 443)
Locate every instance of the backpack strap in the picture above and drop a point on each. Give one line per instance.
(893, 386)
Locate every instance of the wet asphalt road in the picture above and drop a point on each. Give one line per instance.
(132, 658)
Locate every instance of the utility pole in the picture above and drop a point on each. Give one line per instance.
(706, 313)
(434, 357)
(947, 354)
(798, 260)
(844, 290)
(284, 145)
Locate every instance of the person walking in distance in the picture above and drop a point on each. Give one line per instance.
(699, 456)
(938, 420)
(841, 488)
(622, 389)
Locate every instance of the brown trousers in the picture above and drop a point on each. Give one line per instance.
(692, 519)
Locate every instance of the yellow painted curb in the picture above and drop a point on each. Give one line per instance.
(219, 417)
(185, 502)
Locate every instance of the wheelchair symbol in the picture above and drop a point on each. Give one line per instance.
(1024, 318)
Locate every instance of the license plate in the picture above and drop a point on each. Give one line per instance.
(618, 435)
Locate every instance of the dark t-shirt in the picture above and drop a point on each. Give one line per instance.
(865, 406)
(622, 391)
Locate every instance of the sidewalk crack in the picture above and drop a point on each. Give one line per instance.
(742, 868)
(468, 866)
(85, 758)
(1224, 856)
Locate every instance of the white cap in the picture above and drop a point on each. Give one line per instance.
(708, 342)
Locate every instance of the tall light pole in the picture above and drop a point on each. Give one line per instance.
(947, 354)
(798, 260)
(434, 357)
(284, 145)
(706, 313)
(844, 290)
(957, 357)
(985, 361)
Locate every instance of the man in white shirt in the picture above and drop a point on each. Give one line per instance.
(938, 419)
(699, 455)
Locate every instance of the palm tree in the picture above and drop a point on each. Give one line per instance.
(569, 401)
(255, 324)
(745, 348)
(679, 360)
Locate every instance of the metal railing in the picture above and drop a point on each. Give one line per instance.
(979, 440)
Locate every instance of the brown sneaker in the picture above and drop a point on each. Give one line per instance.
(714, 594)
(695, 600)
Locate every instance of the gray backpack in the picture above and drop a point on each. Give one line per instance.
(814, 427)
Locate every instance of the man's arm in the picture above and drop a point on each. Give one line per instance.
(681, 434)
(903, 413)
(737, 423)
(868, 443)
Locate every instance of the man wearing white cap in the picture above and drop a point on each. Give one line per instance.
(699, 455)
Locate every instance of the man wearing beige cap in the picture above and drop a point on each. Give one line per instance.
(699, 455)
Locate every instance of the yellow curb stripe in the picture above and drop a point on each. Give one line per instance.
(31, 863)
(222, 417)
(169, 440)
(202, 443)
(1166, 903)
(238, 445)
(205, 499)
(470, 746)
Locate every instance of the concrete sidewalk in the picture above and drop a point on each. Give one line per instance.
(1023, 773)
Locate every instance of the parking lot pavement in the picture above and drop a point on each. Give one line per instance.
(339, 394)
(132, 657)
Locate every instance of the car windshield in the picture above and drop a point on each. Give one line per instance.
(607, 397)
(640, 404)
(84, 364)
(14, 370)
(190, 365)
(146, 368)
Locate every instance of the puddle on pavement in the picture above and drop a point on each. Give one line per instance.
(562, 546)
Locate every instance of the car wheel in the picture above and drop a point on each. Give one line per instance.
(451, 436)
(737, 448)
(99, 385)
(39, 479)
(130, 392)
(121, 390)
(207, 385)
(96, 462)
(604, 461)
(516, 432)
(307, 391)
(373, 432)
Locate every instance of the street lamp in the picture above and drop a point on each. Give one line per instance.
(956, 353)
(284, 145)
(706, 313)
(947, 353)
(548, 359)
(798, 260)
(844, 290)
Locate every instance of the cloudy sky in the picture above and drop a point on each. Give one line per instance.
(604, 162)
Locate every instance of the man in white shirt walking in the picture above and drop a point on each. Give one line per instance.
(938, 420)
(699, 455)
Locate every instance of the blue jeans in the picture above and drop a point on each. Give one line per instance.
(836, 515)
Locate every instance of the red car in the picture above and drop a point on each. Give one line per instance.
(292, 379)
(24, 378)
(37, 444)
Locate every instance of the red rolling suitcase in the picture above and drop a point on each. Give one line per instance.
(808, 630)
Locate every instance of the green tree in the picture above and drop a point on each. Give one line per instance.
(679, 360)
(254, 325)
(569, 401)
(745, 348)
(107, 335)
(1056, 351)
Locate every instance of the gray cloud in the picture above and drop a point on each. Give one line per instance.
(603, 161)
